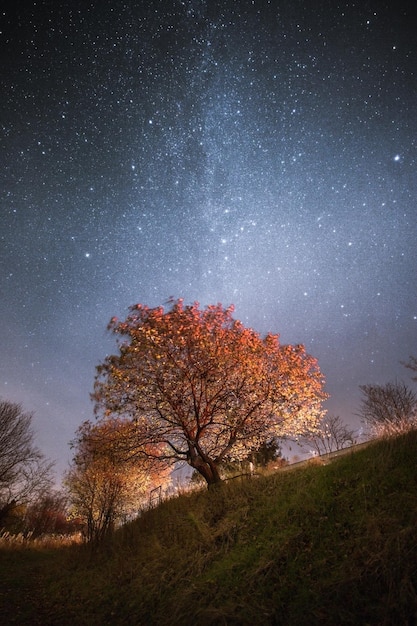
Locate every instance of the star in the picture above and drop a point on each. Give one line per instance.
(236, 156)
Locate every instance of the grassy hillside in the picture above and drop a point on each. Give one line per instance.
(331, 544)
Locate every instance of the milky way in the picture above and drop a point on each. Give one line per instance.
(256, 153)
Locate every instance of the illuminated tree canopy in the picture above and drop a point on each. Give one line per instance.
(200, 387)
(104, 483)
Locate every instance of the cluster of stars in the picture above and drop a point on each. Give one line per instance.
(240, 152)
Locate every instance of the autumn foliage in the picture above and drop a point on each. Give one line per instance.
(200, 387)
(106, 482)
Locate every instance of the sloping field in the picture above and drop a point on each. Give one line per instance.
(323, 544)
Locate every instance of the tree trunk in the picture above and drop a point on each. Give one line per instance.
(208, 470)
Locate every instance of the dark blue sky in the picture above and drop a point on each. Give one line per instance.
(256, 153)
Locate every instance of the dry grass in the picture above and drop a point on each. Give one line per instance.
(9, 541)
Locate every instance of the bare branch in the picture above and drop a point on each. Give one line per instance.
(331, 435)
(25, 474)
(388, 409)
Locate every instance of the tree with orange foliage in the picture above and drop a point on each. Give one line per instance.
(105, 483)
(200, 387)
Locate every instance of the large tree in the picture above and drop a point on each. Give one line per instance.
(388, 409)
(25, 474)
(202, 388)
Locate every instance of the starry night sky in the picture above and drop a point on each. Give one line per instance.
(249, 152)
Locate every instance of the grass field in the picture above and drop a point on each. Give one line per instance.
(321, 544)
